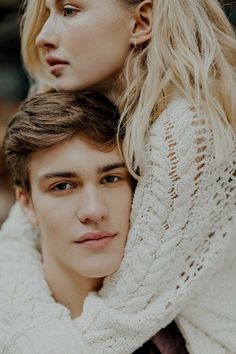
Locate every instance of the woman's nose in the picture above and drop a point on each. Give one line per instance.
(92, 208)
(47, 37)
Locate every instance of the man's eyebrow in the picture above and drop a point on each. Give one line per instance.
(111, 167)
(70, 174)
(57, 174)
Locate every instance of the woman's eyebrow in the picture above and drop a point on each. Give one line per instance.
(111, 167)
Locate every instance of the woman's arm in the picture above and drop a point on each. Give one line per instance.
(182, 223)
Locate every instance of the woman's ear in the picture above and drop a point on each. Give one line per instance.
(26, 204)
(142, 23)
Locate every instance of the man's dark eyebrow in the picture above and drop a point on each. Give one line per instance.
(111, 167)
(57, 174)
(68, 174)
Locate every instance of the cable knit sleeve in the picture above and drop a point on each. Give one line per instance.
(181, 227)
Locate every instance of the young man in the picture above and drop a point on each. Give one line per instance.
(75, 190)
(73, 185)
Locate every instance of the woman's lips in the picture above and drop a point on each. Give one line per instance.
(56, 69)
(96, 239)
(56, 65)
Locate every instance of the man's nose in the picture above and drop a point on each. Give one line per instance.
(93, 208)
(48, 36)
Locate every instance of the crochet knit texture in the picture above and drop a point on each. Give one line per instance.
(179, 262)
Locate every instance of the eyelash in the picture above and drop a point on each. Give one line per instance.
(55, 188)
(104, 179)
(70, 9)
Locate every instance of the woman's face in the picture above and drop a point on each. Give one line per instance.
(86, 42)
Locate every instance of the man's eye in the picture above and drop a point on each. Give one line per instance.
(69, 11)
(110, 179)
(62, 187)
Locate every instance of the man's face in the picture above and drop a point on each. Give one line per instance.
(81, 200)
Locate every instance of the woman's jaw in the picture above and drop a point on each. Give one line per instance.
(112, 88)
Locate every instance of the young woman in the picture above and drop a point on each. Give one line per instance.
(171, 67)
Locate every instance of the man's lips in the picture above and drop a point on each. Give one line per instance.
(96, 239)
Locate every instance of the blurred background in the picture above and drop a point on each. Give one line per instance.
(14, 83)
(13, 87)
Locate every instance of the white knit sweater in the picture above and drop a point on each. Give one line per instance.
(180, 259)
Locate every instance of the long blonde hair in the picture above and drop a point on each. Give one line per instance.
(192, 51)
(32, 22)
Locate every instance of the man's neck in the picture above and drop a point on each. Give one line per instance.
(68, 288)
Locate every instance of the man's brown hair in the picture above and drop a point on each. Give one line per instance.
(50, 118)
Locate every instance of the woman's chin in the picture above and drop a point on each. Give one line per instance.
(66, 84)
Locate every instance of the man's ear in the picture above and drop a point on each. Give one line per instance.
(142, 23)
(26, 204)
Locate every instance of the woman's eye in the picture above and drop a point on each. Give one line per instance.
(110, 179)
(69, 11)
